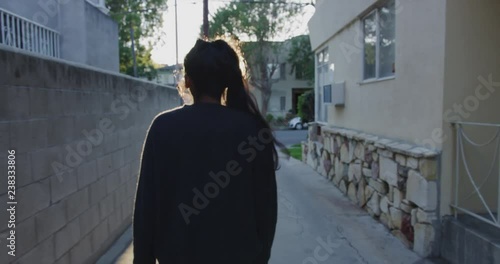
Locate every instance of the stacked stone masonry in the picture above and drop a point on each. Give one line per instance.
(394, 182)
(78, 135)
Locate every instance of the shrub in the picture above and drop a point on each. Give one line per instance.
(305, 106)
(280, 120)
(289, 116)
(269, 118)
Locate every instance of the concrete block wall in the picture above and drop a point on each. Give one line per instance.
(78, 133)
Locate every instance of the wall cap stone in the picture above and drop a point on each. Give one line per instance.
(58, 64)
(383, 143)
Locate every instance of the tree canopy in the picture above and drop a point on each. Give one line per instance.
(145, 17)
(301, 57)
(254, 20)
(258, 24)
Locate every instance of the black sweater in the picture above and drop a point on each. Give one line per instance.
(207, 189)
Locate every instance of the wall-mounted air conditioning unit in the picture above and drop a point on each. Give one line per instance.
(338, 94)
(334, 94)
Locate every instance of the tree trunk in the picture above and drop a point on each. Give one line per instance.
(265, 86)
(265, 95)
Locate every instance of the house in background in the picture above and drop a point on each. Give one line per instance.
(407, 122)
(287, 86)
(167, 75)
(80, 31)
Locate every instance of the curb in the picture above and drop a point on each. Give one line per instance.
(118, 247)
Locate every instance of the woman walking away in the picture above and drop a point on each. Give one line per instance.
(207, 185)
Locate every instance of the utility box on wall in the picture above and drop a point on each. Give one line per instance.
(338, 94)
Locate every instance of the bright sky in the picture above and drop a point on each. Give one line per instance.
(190, 19)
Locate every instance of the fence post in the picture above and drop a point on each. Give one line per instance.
(498, 192)
(457, 166)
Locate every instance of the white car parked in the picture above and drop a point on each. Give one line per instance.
(296, 123)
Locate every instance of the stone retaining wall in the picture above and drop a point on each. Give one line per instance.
(395, 182)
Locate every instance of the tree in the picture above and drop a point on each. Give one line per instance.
(301, 57)
(145, 17)
(262, 60)
(258, 23)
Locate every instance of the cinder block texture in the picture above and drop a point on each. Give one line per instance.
(78, 141)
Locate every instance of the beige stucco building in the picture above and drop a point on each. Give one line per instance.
(412, 85)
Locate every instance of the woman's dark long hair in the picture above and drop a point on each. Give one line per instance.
(214, 66)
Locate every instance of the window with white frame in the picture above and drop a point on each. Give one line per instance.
(324, 73)
(283, 71)
(379, 34)
(273, 71)
(282, 103)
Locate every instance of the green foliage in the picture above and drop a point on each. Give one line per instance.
(301, 57)
(305, 106)
(145, 17)
(296, 151)
(269, 118)
(280, 120)
(258, 23)
(145, 65)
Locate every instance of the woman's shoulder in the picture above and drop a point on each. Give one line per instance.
(190, 116)
(167, 116)
(171, 111)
